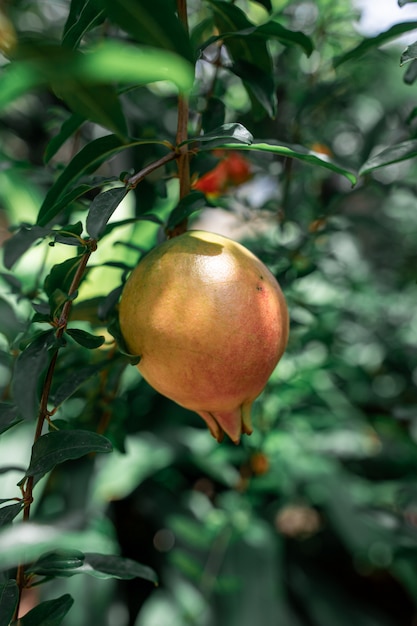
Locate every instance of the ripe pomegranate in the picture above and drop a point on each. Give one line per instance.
(209, 322)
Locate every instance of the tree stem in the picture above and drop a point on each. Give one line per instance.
(27, 489)
(182, 135)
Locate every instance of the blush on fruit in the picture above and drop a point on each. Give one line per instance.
(209, 322)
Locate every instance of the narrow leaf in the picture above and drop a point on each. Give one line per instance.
(230, 19)
(68, 128)
(265, 3)
(87, 340)
(61, 275)
(392, 154)
(30, 365)
(9, 594)
(295, 152)
(87, 160)
(69, 197)
(121, 62)
(411, 74)
(409, 54)
(110, 61)
(74, 380)
(64, 445)
(21, 241)
(57, 563)
(226, 132)
(11, 326)
(75, 9)
(252, 60)
(101, 210)
(97, 103)
(373, 42)
(16, 80)
(267, 31)
(8, 416)
(71, 562)
(89, 17)
(152, 22)
(194, 201)
(8, 513)
(259, 83)
(112, 566)
(24, 542)
(48, 613)
(402, 3)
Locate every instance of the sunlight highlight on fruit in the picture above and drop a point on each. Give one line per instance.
(209, 322)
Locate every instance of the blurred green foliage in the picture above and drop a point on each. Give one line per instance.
(312, 521)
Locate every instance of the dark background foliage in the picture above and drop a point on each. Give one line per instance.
(312, 520)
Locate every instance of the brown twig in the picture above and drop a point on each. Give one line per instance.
(134, 180)
(43, 414)
(182, 136)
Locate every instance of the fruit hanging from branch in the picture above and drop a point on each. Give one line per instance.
(210, 323)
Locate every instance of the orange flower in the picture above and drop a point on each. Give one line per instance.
(231, 171)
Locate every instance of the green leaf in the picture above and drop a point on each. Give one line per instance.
(68, 128)
(57, 563)
(409, 54)
(214, 114)
(70, 235)
(274, 30)
(89, 17)
(97, 103)
(265, 3)
(87, 340)
(267, 31)
(8, 416)
(21, 241)
(61, 276)
(392, 154)
(226, 132)
(74, 380)
(11, 326)
(259, 83)
(9, 594)
(110, 61)
(373, 42)
(152, 22)
(121, 62)
(402, 3)
(192, 202)
(30, 364)
(24, 542)
(112, 566)
(230, 19)
(85, 161)
(294, 152)
(16, 80)
(70, 196)
(70, 562)
(101, 210)
(252, 61)
(64, 445)
(8, 513)
(48, 613)
(411, 74)
(74, 12)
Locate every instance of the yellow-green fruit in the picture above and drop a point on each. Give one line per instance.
(209, 322)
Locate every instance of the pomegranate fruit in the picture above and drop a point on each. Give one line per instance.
(209, 322)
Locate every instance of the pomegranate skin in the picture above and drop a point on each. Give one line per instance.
(210, 323)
